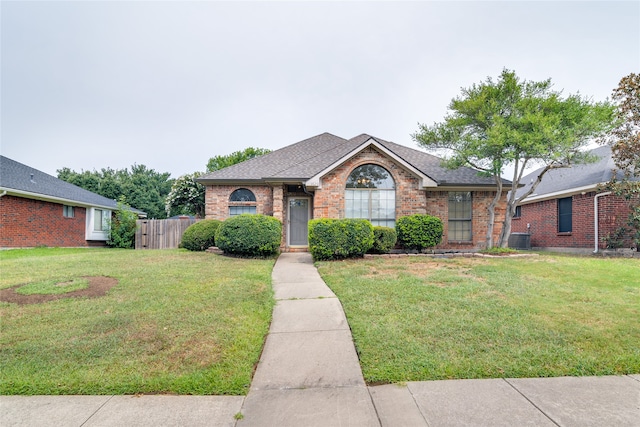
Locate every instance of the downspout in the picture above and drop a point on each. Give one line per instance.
(595, 218)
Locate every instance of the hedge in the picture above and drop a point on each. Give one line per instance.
(339, 238)
(250, 235)
(419, 231)
(384, 239)
(200, 235)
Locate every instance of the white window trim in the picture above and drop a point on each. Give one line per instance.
(90, 233)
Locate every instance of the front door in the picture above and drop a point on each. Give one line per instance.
(298, 221)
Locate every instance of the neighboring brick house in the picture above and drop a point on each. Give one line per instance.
(364, 177)
(568, 211)
(37, 209)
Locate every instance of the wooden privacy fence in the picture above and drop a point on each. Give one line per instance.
(161, 233)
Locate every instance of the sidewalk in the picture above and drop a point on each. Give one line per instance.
(309, 375)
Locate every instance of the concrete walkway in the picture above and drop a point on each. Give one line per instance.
(309, 375)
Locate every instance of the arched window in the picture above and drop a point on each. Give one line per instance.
(242, 201)
(371, 194)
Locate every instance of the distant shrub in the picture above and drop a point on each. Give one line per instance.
(250, 235)
(384, 239)
(419, 231)
(200, 235)
(122, 227)
(339, 238)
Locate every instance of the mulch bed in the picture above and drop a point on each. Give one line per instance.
(98, 286)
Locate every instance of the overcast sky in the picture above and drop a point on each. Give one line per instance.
(90, 85)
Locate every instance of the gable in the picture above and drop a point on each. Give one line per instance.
(424, 180)
(308, 160)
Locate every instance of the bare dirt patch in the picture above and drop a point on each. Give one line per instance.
(98, 286)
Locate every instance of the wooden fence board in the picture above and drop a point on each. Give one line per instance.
(161, 233)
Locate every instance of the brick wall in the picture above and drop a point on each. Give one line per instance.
(30, 223)
(543, 217)
(329, 200)
(438, 205)
(217, 200)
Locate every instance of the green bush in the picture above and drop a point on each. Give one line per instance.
(419, 231)
(122, 227)
(200, 236)
(384, 239)
(250, 235)
(339, 238)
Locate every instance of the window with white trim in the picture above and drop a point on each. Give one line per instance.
(459, 216)
(371, 195)
(242, 201)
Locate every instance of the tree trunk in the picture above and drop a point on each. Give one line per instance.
(491, 209)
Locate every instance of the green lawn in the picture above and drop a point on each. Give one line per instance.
(419, 318)
(177, 322)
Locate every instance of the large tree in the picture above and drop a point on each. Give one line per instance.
(219, 162)
(186, 196)
(141, 187)
(625, 148)
(514, 123)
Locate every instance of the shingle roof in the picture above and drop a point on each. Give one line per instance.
(307, 158)
(575, 177)
(22, 178)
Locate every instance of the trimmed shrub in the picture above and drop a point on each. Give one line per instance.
(384, 239)
(250, 235)
(419, 231)
(339, 238)
(200, 235)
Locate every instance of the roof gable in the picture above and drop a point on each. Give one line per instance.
(21, 179)
(310, 159)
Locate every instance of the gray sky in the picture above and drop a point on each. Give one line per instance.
(89, 85)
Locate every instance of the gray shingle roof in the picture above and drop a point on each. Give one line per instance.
(307, 158)
(19, 177)
(578, 176)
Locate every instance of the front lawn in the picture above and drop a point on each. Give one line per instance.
(176, 322)
(418, 318)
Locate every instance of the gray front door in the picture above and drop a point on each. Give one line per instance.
(298, 219)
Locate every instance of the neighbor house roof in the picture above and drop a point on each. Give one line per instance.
(564, 182)
(307, 159)
(22, 180)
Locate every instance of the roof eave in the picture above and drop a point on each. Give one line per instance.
(47, 198)
(561, 193)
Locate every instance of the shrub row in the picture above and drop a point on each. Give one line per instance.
(246, 235)
(260, 235)
(339, 238)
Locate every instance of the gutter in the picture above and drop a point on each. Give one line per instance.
(4, 193)
(595, 218)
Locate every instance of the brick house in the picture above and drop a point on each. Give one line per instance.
(364, 177)
(568, 211)
(37, 209)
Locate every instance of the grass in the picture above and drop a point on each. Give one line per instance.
(177, 322)
(54, 287)
(418, 318)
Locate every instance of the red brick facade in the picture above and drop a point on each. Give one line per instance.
(29, 223)
(329, 202)
(543, 219)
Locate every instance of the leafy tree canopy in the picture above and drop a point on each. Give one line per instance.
(143, 188)
(517, 123)
(219, 162)
(186, 197)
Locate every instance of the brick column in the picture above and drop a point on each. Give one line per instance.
(278, 203)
